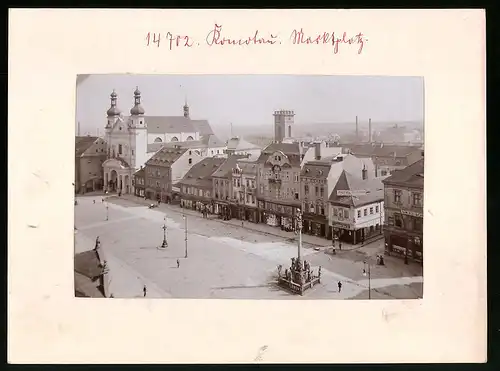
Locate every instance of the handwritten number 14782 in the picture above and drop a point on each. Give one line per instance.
(153, 38)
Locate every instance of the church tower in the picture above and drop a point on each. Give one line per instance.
(113, 115)
(283, 125)
(138, 132)
(186, 109)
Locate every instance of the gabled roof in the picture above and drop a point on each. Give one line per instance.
(166, 156)
(140, 173)
(83, 143)
(203, 127)
(412, 176)
(365, 191)
(226, 168)
(291, 150)
(200, 174)
(316, 169)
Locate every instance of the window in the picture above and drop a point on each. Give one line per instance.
(306, 205)
(322, 192)
(417, 199)
(397, 196)
(322, 210)
(296, 177)
(398, 221)
(316, 190)
(376, 209)
(296, 196)
(359, 213)
(158, 140)
(212, 152)
(248, 183)
(120, 149)
(190, 161)
(365, 212)
(306, 189)
(335, 212)
(132, 152)
(418, 224)
(383, 172)
(371, 210)
(346, 214)
(190, 153)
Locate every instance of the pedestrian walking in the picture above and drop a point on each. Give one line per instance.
(144, 290)
(93, 200)
(340, 286)
(178, 263)
(340, 245)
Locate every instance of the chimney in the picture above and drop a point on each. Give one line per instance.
(357, 129)
(364, 173)
(369, 130)
(317, 151)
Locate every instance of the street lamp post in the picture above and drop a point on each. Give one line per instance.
(299, 231)
(164, 244)
(365, 272)
(107, 212)
(185, 236)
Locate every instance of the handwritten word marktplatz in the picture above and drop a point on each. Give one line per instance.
(299, 37)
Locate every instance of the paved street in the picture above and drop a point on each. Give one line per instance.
(224, 259)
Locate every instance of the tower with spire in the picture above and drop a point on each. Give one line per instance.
(186, 108)
(138, 132)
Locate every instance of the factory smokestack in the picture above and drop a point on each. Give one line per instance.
(357, 129)
(369, 130)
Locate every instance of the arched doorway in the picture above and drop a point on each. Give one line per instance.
(113, 182)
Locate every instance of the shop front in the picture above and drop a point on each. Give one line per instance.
(401, 243)
(344, 233)
(277, 215)
(316, 225)
(251, 214)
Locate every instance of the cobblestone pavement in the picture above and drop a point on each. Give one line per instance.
(224, 259)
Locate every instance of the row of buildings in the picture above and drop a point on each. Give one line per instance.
(345, 191)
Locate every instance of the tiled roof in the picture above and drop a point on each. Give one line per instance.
(140, 173)
(153, 147)
(169, 124)
(373, 188)
(316, 169)
(381, 150)
(412, 175)
(166, 156)
(185, 144)
(200, 174)
(83, 143)
(248, 168)
(226, 168)
(203, 127)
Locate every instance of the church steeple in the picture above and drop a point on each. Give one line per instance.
(186, 108)
(137, 109)
(113, 110)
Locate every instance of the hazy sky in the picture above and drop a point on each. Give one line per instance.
(251, 99)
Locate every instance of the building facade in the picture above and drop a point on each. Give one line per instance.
(357, 208)
(196, 187)
(139, 182)
(249, 189)
(278, 178)
(90, 154)
(403, 201)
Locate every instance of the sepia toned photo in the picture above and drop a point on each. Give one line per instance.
(249, 187)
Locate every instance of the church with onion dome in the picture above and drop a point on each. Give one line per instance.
(133, 139)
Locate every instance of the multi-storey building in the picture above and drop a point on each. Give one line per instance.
(239, 146)
(357, 207)
(403, 201)
(318, 179)
(139, 182)
(196, 187)
(165, 168)
(227, 199)
(249, 189)
(90, 154)
(278, 179)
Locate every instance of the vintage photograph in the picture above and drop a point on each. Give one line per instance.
(249, 187)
